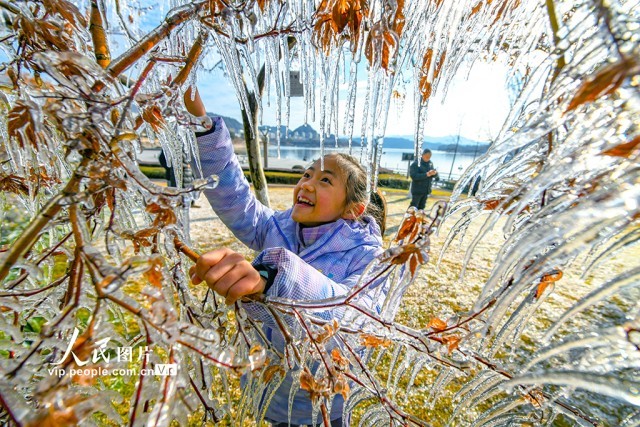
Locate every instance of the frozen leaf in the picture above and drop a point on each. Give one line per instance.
(381, 46)
(604, 82)
(437, 324)
(272, 371)
(24, 121)
(316, 388)
(13, 184)
(451, 341)
(58, 414)
(369, 340)
(341, 386)
(164, 214)
(154, 273)
(262, 4)
(552, 276)
(475, 9)
(67, 10)
(153, 116)
(328, 330)
(542, 286)
(407, 227)
(623, 150)
(339, 361)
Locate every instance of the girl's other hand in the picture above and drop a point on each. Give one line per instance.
(227, 273)
(194, 106)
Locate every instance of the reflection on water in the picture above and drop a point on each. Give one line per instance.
(391, 159)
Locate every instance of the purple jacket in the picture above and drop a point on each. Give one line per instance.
(313, 263)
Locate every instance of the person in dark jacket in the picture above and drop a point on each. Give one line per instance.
(170, 174)
(422, 175)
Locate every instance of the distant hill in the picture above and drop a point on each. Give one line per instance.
(233, 125)
(306, 135)
(429, 141)
(306, 130)
(273, 129)
(445, 143)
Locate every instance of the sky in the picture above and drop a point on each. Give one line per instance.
(475, 105)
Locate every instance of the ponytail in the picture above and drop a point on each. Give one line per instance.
(377, 208)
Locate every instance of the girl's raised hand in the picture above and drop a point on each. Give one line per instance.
(195, 106)
(227, 273)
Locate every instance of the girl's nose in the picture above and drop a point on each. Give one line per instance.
(307, 185)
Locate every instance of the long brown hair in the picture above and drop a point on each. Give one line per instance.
(355, 178)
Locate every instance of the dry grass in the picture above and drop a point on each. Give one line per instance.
(438, 290)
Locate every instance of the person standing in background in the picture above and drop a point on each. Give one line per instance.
(170, 174)
(422, 175)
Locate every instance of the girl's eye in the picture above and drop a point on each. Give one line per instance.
(306, 175)
(326, 180)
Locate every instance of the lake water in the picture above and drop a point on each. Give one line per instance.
(391, 159)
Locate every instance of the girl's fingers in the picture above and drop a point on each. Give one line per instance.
(213, 265)
(222, 283)
(247, 285)
(242, 280)
(194, 277)
(227, 273)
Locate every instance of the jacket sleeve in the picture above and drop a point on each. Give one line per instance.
(416, 174)
(297, 280)
(232, 200)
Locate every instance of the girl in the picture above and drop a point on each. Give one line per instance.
(317, 249)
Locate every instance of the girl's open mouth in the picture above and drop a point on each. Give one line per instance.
(304, 201)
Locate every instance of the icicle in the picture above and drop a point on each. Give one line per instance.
(395, 357)
(284, 48)
(618, 283)
(499, 409)
(351, 104)
(608, 385)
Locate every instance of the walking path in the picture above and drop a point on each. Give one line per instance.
(149, 157)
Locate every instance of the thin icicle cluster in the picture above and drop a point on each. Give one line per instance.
(566, 178)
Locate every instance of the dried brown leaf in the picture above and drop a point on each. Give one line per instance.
(369, 340)
(623, 150)
(23, 123)
(452, 342)
(13, 184)
(339, 361)
(407, 227)
(153, 116)
(606, 81)
(437, 324)
(67, 10)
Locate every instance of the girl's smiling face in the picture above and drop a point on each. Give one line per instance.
(320, 196)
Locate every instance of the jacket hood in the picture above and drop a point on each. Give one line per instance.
(339, 236)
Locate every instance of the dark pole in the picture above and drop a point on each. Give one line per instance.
(455, 153)
(265, 149)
